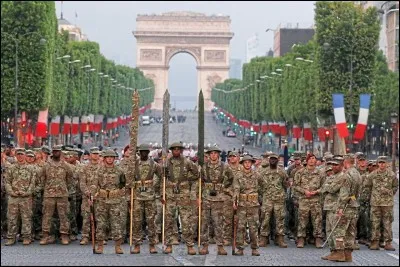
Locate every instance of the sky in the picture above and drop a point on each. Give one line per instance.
(111, 25)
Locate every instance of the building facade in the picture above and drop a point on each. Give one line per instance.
(285, 38)
(74, 32)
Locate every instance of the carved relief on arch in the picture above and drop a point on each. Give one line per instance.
(213, 80)
(170, 51)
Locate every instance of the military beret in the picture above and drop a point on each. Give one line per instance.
(144, 147)
(57, 148)
(247, 157)
(109, 153)
(233, 154)
(382, 159)
(20, 151)
(214, 148)
(94, 150)
(176, 144)
(30, 153)
(273, 155)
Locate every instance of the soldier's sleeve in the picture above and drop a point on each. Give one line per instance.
(157, 180)
(335, 185)
(82, 182)
(296, 183)
(368, 187)
(193, 170)
(228, 177)
(69, 176)
(321, 183)
(260, 189)
(344, 194)
(32, 183)
(285, 180)
(93, 187)
(8, 180)
(395, 184)
(236, 188)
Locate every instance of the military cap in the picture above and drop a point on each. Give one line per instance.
(214, 148)
(273, 155)
(57, 148)
(30, 153)
(297, 155)
(10, 146)
(46, 149)
(327, 157)
(382, 159)
(328, 153)
(247, 157)
(371, 162)
(65, 153)
(144, 147)
(176, 144)
(109, 153)
(349, 156)
(37, 149)
(334, 161)
(361, 157)
(233, 153)
(73, 153)
(20, 151)
(94, 150)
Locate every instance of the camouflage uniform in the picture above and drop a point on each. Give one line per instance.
(228, 206)
(4, 166)
(216, 180)
(72, 198)
(273, 187)
(246, 188)
(364, 223)
(380, 187)
(180, 172)
(56, 178)
(311, 180)
(124, 165)
(37, 204)
(146, 185)
(20, 184)
(87, 180)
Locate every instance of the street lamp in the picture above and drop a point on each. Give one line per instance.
(42, 41)
(393, 120)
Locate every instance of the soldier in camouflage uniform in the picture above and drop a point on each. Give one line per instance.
(146, 185)
(88, 178)
(4, 166)
(307, 186)
(180, 172)
(216, 179)
(381, 186)
(20, 183)
(363, 223)
(110, 202)
(56, 177)
(273, 187)
(246, 188)
(72, 198)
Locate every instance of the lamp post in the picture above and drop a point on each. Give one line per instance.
(393, 120)
(17, 41)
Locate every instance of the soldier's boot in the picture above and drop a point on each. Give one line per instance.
(374, 245)
(347, 255)
(254, 252)
(318, 242)
(152, 249)
(175, 240)
(221, 251)
(300, 242)
(99, 249)
(239, 252)
(118, 249)
(281, 241)
(327, 256)
(72, 237)
(51, 239)
(356, 246)
(64, 239)
(168, 250)
(10, 242)
(263, 241)
(204, 250)
(227, 242)
(388, 246)
(26, 241)
(191, 250)
(84, 241)
(44, 240)
(136, 250)
(338, 255)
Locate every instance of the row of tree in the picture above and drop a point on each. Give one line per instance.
(54, 72)
(342, 57)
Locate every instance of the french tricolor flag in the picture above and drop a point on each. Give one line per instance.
(296, 131)
(338, 110)
(67, 125)
(365, 100)
(41, 126)
(55, 125)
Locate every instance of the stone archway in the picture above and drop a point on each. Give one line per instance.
(206, 38)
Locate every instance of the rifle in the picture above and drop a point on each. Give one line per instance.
(92, 223)
(165, 133)
(199, 228)
(200, 154)
(234, 229)
(163, 207)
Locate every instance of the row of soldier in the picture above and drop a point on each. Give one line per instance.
(253, 193)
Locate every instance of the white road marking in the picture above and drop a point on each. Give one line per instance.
(179, 259)
(393, 255)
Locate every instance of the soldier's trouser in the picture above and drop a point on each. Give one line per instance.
(72, 215)
(185, 210)
(278, 209)
(85, 210)
(144, 210)
(110, 215)
(37, 214)
(4, 204)
(346, 228)
(364, 223)
(330, 223)
(195, 217)
(228, 216)
(307, 206)
(247, 215)
(49, 205)
(79, 219)
(127, 226)
(158, 217)
(19, 206)
(384, 214)
(212, 212)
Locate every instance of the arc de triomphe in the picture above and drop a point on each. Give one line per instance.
(206, 38)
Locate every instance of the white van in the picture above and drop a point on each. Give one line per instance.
(145, 120)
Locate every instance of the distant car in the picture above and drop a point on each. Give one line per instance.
(231, 134)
